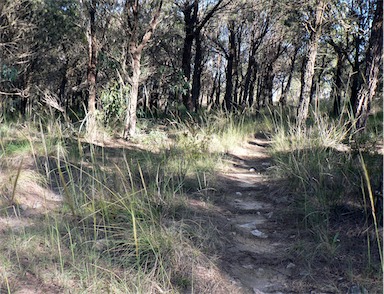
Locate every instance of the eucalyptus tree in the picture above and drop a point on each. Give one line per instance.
(61, 51)
(196, 15)
(314, 26)
(373, 63)
(231, 69)
(259, 28)
(17, 27)
(360, 16)
(91, 7)
(134, 15)
(95, 17)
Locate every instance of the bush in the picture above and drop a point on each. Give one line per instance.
(114, 105)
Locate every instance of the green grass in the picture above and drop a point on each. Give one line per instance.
(125, 225)
(331, 176)
(122, 225)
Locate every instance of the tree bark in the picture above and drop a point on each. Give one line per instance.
(135, 50)
(229, 72)
(91, 71)
(251, 67)
(236, 62)
(317, 80)
(337, 85)
(283, 99)
(218, 91)
(356, 74)
(130, 127)
(269, 86)
(197, 70)
(305, 93)
(374, 58)
(254, 81)
(192, 29)
(190, 18)
(250, 70)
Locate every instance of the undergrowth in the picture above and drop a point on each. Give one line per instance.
(336, 183)
(121, 225)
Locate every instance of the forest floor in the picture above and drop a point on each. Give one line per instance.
(253, 217)
(258, 231)
(249, 211)
(262, 233)
(255, 221)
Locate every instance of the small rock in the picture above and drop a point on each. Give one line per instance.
(23, 207)
(239, 194)
(252, 170)
(291, 265)
(257, 291)
(251, 225)
(356, 289)
(259, 234)
(37, 205)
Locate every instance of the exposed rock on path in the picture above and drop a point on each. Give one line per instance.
(256, 254)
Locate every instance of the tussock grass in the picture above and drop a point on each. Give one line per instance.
(120, 227)
(320, 162)
(332, 180)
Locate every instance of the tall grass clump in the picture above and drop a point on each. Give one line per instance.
(331, 180)
(217, 132)
(320, 162)
(131, 205)
(120, 226)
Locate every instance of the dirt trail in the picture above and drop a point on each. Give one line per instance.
(257, 237)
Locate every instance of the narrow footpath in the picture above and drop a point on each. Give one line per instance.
(257, 237)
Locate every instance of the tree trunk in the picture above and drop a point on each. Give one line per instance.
(218, 91)
(374, 58)
(268, 84)
(196, 79)
(337, 85)
(236, 62)
(305, 93)
(192, 28)
(212, 95)
(229, 72)
(356, 74)
(218, 87)
(135, 50)
(190, 18)
(91, 71)
(130, 126)
(251, 94)
(283, 99)
(248, 75)
(317, 80)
